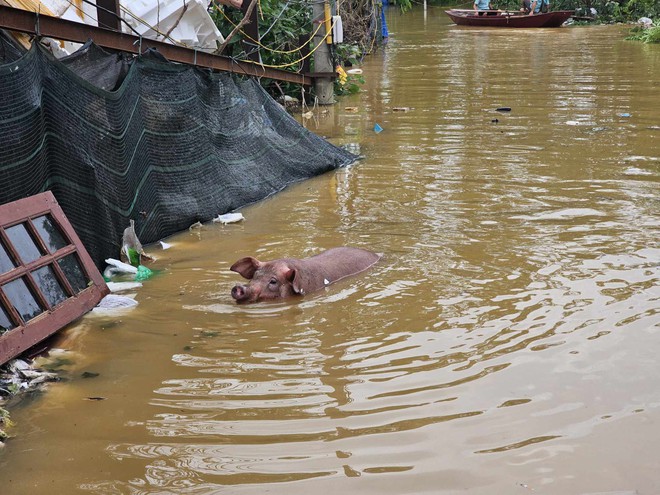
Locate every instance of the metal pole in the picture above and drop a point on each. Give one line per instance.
(323, 86)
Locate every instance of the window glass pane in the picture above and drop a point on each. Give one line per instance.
(49, 285)
(5, 323)
(50, 233)
(23, 243)
(22, 299)
(74, 273)
(6, 263)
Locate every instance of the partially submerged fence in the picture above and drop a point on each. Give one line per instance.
(117, 138)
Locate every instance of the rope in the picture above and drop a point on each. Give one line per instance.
(258, 43)
(281, 66)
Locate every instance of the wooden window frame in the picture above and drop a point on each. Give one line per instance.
(26, 334)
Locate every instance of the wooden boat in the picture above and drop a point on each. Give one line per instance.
(508, 18)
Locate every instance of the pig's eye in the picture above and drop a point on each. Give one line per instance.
(273, 282)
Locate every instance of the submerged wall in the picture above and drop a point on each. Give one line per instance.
(117, 138)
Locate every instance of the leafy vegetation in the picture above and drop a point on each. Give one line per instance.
(649, 34)
(283, 28)
(5, 422)
(286, 26)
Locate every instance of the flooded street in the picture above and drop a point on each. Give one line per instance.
(506, 343)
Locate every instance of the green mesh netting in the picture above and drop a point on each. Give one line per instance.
(118, 138)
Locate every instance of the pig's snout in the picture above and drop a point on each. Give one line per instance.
(239, 292)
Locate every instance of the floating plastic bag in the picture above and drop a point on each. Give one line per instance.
(143, 273)
(229, 218)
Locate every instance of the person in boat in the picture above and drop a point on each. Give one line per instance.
(481, 5)
(538, 6)
(526, 6)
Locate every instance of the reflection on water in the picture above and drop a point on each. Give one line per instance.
(505, 343)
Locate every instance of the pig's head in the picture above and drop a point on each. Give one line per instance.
(268, 280)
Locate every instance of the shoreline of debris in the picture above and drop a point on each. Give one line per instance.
(17, 377)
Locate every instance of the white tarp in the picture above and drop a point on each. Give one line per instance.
(187, 22)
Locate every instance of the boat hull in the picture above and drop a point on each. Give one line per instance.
(494, 18)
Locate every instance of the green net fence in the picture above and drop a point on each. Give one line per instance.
(118, 138)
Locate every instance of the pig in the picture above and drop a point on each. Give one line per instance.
(290, 276)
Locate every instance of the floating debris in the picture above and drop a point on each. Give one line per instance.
(229, 218)
(120, 266)
(165, 245)
(196, 225)
(503, 109)
(115, 302)
(131, 247)
(351, 109)
(378, 129)
(143, 273)
(123, 286)
(19, 375)
(401, 109)
(354, 71)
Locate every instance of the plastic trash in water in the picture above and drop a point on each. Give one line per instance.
(143, 273)
(123, 286)
(625, 114)
(113, 303)
(131, 247)
(378, 129)
(165, 245)
(229, 218)
(119, 268)
(503, 109)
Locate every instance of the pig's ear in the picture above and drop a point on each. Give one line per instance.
(246, 266)
(292, 276)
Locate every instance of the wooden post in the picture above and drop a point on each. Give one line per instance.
(323, 86)
(252, 30)
(108, 14)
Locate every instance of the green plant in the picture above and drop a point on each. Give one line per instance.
(286, 26)
(349, 86)
(348, 54)
(283, 28)
(649, 34)
(5, 423)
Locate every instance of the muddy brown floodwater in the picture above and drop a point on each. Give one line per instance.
(507, 343)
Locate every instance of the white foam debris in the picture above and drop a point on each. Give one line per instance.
(123, 286)
(120, 266)
(114, 302)
(229, 218)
